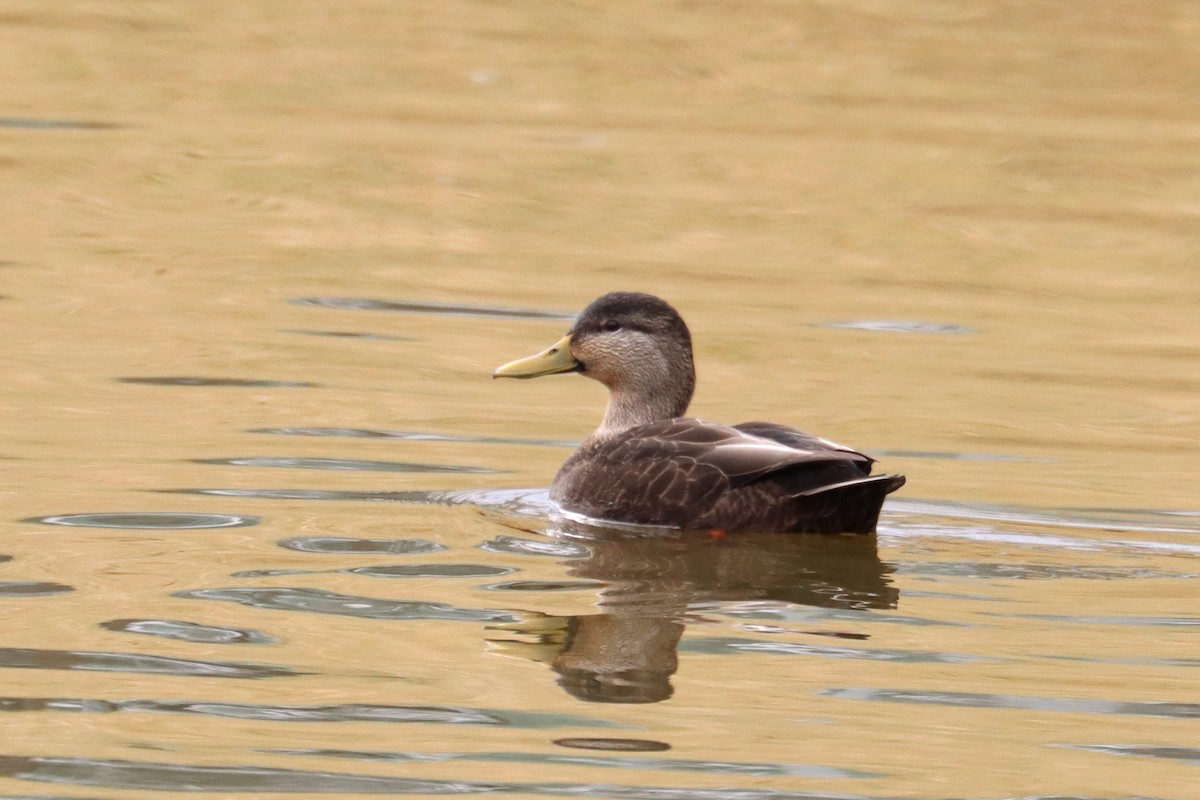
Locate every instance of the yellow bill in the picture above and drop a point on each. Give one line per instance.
(553, 360)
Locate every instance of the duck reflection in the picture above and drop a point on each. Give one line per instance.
(654, 585)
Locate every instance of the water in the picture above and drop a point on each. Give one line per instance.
(270, 527)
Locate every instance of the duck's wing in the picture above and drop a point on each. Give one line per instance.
(742, 453)
(800, 440)
(806, 441)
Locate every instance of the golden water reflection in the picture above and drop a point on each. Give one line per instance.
(650, 586)
(259, 259)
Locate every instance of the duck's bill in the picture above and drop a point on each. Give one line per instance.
(551, 361)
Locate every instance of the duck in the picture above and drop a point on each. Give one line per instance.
(649, 464)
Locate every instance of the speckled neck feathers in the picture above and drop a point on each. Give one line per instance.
(643, 396)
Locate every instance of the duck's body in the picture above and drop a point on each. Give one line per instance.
(649, 464)
(697, 474)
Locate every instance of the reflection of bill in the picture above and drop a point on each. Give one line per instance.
(653, 586)
(603, 658)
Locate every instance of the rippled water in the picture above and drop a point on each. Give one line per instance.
(271, 529)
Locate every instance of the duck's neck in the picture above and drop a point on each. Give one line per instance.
(639, 400)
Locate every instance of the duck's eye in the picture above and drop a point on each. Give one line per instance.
(611, 325)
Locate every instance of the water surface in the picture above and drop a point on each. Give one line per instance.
(271, 529)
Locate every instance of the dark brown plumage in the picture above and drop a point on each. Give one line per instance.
(648, 464)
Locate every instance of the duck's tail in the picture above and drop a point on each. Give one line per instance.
(885, 483)
(851, 506)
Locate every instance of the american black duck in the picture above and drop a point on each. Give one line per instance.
(649, 464)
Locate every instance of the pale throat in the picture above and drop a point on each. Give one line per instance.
(635, 402)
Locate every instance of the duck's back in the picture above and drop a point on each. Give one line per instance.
(691, 473)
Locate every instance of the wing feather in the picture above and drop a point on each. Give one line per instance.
(739, 454)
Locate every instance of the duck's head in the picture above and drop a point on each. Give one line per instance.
(635, 344)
